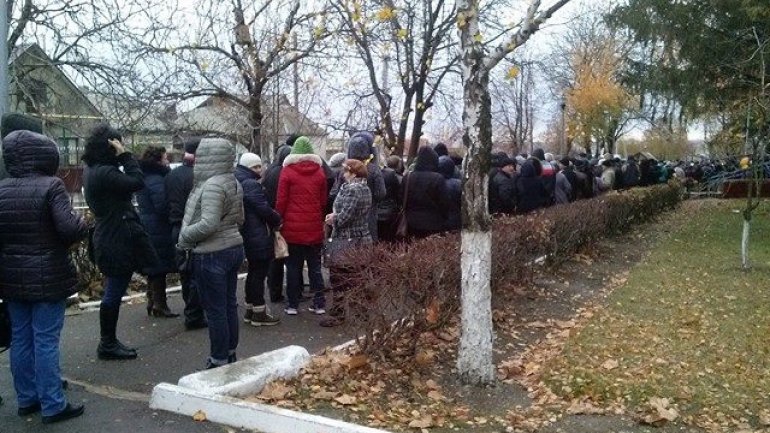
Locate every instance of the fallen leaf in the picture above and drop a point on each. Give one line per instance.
(537, 324)
(424, 422)
(324, 395)
(345, 400)
(199, 416)
(275, 391)
(357, 361)
(435, 395)
(424, 358)
(764, 418)
(432, 312)
(661, 412)
(583, 408)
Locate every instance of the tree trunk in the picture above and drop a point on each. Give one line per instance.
(258, 144)
(745, 244)
(474, 361)
(419, 115)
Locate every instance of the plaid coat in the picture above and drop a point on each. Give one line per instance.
(352, 207)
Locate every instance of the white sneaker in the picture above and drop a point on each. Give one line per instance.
(290, 311)
(318, 311)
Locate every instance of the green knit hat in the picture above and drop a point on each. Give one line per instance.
(302, 146)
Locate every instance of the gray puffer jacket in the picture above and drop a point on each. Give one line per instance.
(214, 211)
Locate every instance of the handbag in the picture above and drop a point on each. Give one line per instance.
(184, 260)
(280, 246)
(335, 248)
(5, 327)
(402, 227)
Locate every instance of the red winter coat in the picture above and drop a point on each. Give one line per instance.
(301, 199)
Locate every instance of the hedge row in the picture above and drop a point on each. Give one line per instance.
(400, 291)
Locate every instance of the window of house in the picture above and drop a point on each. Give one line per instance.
(70, 150)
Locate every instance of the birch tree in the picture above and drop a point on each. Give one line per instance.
(757, 137)
(474, 362)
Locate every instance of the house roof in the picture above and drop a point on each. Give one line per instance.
(34, 51)
(217, 114)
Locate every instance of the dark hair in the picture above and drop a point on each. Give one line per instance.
(153, 154)
(98, 149)
(537, 164)
(291, 139)
(396, 163)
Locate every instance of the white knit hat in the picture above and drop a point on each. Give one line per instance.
(250, 160)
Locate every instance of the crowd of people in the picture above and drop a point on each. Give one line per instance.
(207, 216)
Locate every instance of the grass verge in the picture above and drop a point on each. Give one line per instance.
(689, 326)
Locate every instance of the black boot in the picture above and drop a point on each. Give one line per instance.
(157, 287)
(109, 346)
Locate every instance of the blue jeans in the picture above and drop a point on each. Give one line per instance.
(114, 290)
(216, 275)
(298, 255)
(36, 328)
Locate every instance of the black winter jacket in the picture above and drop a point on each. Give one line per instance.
(179, 185)
(455, 193)
(273, 173)
(120, 244)
(388, 207)
(427, 201)
(530, 191)
(259, 217)
(502, 192)
(153, 212)
(37, 223)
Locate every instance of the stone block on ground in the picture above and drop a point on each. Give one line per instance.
(249, 376)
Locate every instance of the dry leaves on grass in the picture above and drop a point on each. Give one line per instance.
(660, 412)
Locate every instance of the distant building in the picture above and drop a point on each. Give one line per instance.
(217, 115)
(40, 88)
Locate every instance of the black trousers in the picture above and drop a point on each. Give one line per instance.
(255, 282)
(275, 278)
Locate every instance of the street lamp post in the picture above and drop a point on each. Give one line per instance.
(563, 126)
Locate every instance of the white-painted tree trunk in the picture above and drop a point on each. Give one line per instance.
(745, 244)
(474, 361)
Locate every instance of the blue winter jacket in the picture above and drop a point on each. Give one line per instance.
(153, 212)
(260, 218)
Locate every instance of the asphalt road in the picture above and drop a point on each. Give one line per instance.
(116, 393)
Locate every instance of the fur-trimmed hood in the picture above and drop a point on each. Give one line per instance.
(297, 158)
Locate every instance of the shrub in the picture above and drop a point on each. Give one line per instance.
(402, 290)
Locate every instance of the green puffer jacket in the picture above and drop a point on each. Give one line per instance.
(214, 211)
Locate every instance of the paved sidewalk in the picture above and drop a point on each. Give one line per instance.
(116, 392)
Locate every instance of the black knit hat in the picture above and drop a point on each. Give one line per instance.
(20, 122)
(191, 145)
(291, 139)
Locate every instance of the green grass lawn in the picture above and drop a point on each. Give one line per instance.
(689, 325)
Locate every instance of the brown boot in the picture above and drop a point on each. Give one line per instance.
(159, 308)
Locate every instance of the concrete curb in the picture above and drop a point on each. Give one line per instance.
(94, 305)
(243, 414)
(248, 376)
